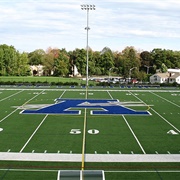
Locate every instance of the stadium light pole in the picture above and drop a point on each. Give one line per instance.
(87, 7)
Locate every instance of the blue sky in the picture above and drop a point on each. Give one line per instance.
(38, 24)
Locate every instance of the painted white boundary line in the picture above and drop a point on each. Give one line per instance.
(22, 105)
(33, 133)
(158, 114)
(128, 171)
(130, 129)
(11, 95)
(110, 94)
(134, 135)
(62, 94)
(63, 157)
(145, 171)
(166, 120)
(164, 99)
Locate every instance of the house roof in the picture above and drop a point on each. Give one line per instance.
(174, 76)
(162, 75)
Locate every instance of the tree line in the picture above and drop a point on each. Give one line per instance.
(59, 61)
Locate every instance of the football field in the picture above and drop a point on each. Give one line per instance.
(45, 130)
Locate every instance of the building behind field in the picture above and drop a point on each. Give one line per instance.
(171, 76)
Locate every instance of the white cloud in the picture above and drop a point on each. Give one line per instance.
(61, 23)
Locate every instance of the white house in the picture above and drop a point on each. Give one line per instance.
(175, 78)
(37, 70)
(159, 78)
(173, 75)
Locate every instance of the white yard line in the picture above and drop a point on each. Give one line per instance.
(33, 133)
(131, 129)
(22, 105)
(11, 95)
(134, 135)
(158, 114)
(110, 94)
(137, 98)
(166, 120)
(62, 94)
(165, 99)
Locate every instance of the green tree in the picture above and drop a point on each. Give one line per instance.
(163, 68)
(106, 60)
(61, 63)
(78, 58)
(36, 57)
(130, 59)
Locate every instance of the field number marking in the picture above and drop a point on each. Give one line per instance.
(78, 131)
(93, 131)
(75, 131)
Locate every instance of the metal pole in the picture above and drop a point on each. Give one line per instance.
(87, 7)
(87, 48)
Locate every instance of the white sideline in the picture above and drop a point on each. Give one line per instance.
(55, 157)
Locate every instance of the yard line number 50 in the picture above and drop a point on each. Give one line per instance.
(78, 131)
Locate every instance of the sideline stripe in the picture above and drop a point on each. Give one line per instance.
(127, 171)
(11, 95)
(84, 141)
(146, 171)
(134, 135)
(164, 99)
(33, 133)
